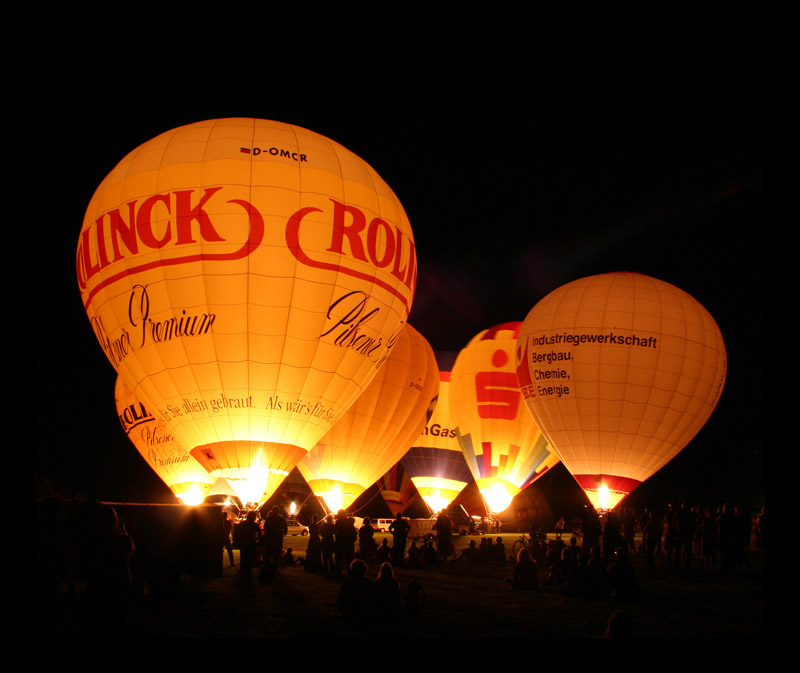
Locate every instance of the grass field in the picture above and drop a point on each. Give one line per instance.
(463, 600)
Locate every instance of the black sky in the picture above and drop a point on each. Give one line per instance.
(523, 162)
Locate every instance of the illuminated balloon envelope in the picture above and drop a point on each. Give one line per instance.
(184, 476)
(621, 371)
(396, 489)
(435, 461)
(503, 446)
(246, 278)
(378, 429)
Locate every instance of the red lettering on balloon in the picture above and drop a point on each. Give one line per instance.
(352, 231)
(92, 255)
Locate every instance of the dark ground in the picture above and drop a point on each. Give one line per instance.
(463, 600)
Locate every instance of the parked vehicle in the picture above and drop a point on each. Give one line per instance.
(296, 528)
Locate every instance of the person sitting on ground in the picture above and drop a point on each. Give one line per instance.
(386, 591)
(621, 575)
(526, 575)
(414, 555)
(429, 555)
(580, 580)
(470, 553)
(499, 550)
(559, 571)
(384, 552)
(356, 595)
(485, 550)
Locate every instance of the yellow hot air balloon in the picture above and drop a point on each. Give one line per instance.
(378, 429)
(184, 476)
(621, 371)
(247, 279)
(435, 461)
(503, 446)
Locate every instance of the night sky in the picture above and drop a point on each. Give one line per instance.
(523, 163)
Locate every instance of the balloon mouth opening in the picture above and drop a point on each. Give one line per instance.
(191, 494)
(497, 494)
(335, 494)
(437, 493)
(605, 492)
(264, 469)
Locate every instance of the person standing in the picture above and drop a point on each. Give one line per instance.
(314, 551)
(274, 529)
(346, 535)
(227, 530)
(327, 532)
(444, 535)
(245, 537)
(399, 528)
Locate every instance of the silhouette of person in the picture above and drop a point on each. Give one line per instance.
(470, 553)
(414, 555)
(620, 625)
(621, 575)
(314, 550)
(560, 525)
(580, 580)
(227, 530)
(384, 552)
(356, 599)
(684, 523)
(726, 538)
(708, 539)
(346, 535)
(429, 554)
(366, 541)
(246, 535)
(399, 528)
(444, 535)
(651, 535)
(109, 583)
(274, 529)
(560, 570)
(327, 532)
(526, 574)
(670, 536)
(386, 594)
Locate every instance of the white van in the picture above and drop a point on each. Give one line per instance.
(382, 525)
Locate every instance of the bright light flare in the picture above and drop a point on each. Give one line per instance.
(603, 498)
(497, 494)
(249, 484)
(436, 501)
(334, 499)
(194, 495)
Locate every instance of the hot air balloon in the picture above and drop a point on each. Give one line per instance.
(184, 476)
(397, 489)
(247, 279)
(503, 446)
(435, 461)
(621, 371)
(378, 429)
